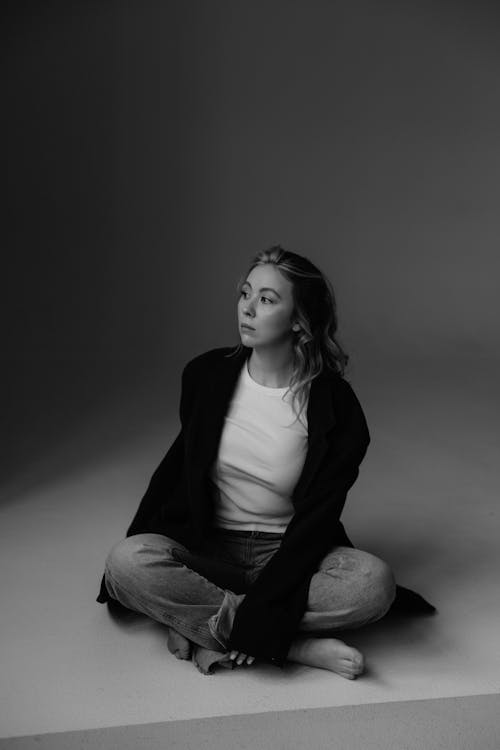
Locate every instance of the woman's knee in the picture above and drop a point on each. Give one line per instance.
(358, 581)
(380, 582)
(130, 554)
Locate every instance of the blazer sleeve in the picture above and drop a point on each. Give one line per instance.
(164, 477)
(169, 470)
(267, 619)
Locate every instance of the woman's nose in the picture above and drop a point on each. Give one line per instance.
(248, 308)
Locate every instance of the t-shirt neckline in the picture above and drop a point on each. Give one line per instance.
(263, 388)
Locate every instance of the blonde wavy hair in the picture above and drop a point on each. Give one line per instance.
(315, 346)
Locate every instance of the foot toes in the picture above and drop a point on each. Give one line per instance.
(351, 668)
(348, 675)
(181, 654)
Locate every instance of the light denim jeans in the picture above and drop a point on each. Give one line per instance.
(197, 594)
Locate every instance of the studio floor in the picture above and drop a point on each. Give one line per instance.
(426, 501)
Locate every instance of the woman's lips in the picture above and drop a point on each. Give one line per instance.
(246, 328)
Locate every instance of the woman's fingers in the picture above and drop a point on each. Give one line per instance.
(240, 657)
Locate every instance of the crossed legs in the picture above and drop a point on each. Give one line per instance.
(157, 576)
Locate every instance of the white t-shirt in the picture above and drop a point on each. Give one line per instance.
(261, 455)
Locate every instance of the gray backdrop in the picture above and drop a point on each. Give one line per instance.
(154, 147)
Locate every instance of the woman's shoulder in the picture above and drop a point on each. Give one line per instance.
(336, 380)
(343, 394)
(209, 358)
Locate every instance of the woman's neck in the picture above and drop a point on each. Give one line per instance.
(271, 368)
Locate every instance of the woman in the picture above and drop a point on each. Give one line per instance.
(237, 545)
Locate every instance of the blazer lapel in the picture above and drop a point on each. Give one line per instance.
(320, 419)
(219, 382)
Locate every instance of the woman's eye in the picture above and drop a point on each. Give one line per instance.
(244, 294)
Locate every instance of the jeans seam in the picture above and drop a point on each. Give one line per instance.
(172, 620)
(182, 625)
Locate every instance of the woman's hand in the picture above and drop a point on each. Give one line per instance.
(240, 657)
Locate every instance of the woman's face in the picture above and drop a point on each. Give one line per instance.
(265, 304)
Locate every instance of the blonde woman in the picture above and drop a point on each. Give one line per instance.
(237, 545)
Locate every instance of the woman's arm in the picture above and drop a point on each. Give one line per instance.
(165, 476)
(169, 471)
(267, 619)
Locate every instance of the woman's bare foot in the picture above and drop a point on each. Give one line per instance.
(327, 653)
(178, 645)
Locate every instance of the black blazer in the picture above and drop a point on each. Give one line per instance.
(178, 503)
